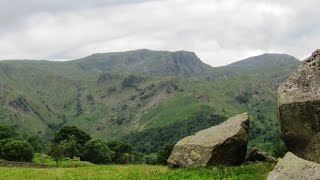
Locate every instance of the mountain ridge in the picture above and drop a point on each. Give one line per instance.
(93, 94)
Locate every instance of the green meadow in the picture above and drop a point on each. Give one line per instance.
(247, 171)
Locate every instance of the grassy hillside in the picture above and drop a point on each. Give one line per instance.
(115, 95)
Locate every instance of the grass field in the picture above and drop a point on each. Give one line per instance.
(248, 171)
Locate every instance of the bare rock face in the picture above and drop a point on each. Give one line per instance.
(299, 110)
(224, 144)
(256, 154)
(292, 167)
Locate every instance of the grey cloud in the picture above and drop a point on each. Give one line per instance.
(218, 31)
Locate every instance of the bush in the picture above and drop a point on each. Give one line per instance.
(164, 154)
(98, 152)
(16, 150)
(151, 159)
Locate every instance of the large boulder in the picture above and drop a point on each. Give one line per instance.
(299, 109)
(292, 167)
(224, 144)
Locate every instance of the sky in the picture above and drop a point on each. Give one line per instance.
(218, 31)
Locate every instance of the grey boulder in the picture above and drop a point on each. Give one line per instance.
(224, 144)
(292, 167)
(299, 109)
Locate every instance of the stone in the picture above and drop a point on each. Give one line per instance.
(292, 167)
(224, 144)
(299, 109)
(256, 154)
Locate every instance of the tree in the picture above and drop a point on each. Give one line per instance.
(73, 138)
(164, 154)
(36, 142)
(6, 132)
(16, 150)
(122, 152)
(98, 152)
(3, 142)
(73, 132)
(65, 148)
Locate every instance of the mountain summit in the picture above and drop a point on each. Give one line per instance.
(146, 61)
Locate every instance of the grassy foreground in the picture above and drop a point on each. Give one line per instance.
(248, 171)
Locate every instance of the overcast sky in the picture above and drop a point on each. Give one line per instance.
(218, 31)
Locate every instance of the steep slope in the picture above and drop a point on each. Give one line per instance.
(112, 95)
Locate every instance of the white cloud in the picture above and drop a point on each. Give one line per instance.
(218, 31)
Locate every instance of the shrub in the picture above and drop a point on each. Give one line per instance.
(151, 159)
(16, 150)
(98, 152)
(164, 154)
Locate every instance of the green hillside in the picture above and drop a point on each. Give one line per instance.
(127, 94)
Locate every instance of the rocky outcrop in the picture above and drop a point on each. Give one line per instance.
(299, 109)
(292, 167)
(224, 144)
(256, 154)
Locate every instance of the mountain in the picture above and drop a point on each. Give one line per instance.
(129, 95)
(145, 61)
(264, 60)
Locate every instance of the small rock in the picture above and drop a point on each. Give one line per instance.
(256, 154)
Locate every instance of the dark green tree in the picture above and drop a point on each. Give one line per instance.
(16, 150)
(76, 139)
(65, 148)
(164, 154)
(38, 144)
(6, 132)
(122, 152)
(72, 132)
(98, 152)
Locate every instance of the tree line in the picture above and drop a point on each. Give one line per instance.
(71, 142)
